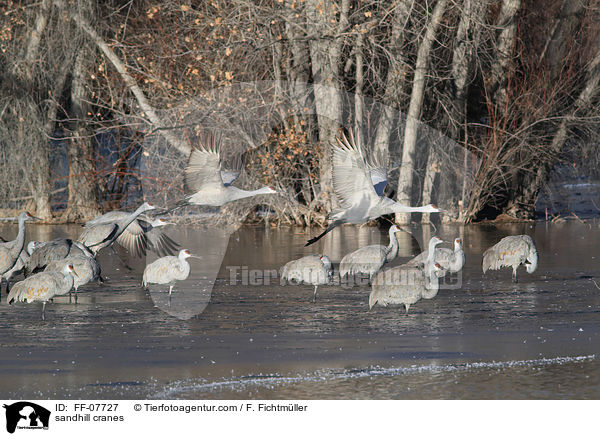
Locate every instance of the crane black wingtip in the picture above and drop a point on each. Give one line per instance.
(329, 229)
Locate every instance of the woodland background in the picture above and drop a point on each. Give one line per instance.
(476, 105)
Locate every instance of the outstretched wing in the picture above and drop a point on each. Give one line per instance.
(204, 167)
(379, 179)
(107, 218)
(232, 167)
(351, 178)
(133, 239)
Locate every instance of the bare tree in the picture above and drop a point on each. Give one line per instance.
(405, 177)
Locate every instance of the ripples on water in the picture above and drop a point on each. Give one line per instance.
(489, 339)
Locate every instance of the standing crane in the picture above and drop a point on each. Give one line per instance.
(314, 269)
(45, 252)
(353, 186)
(407, 284)
(206, 183)
(370, 259)
(101, 235)
(450, 260)
(18, 267)
(11, 251)
(512, 251)
(84, 263)
(168, 269)
(43, 287)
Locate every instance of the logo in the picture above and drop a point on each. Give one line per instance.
(26, 415)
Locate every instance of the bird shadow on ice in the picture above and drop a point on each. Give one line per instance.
(191, 296)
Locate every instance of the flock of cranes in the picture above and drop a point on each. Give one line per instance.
(57, 267)
(418, 278)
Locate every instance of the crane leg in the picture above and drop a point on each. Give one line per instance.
(44, 311)
(314, 300)
(170, 290)
(406, 306)
(514, 276)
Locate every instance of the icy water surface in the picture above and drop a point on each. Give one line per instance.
(219, 339)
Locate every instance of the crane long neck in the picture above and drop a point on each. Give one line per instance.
(131, 218)
(237, 193)
(392, 248)
(20, 241)
(400, 208)
(431, 252)
(432, 285)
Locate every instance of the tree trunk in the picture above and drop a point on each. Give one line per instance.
(405, 178)
(83, 202)
(564, 28)
(467, 36)
(325, 55)
(395, 80)
(141, 98)
(359, 102)
(39, 143)
(507, 23)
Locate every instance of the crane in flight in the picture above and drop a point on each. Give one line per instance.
(353, 184)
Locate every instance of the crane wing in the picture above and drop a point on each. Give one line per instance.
(133, 239)
(351, 178)
(107, 218)
(204, 166)
(232, 167)
(379, 179)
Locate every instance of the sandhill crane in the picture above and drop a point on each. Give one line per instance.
(370, 259)
(353, 186)
(512, 251)
(142, 233)
(405, 284)
(43, 287)
(101, 235)
(314, 269)
(45, 252)
(450, 260)
(84, 263)
(18, 267)
(168, 269)
(11, 250)
(206, 183)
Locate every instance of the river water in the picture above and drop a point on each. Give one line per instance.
(232, 331)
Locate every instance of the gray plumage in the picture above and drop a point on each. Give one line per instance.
(43, 287)
(512, 251)
(353, 187)
(167, 270)
(450, 260)
(11, 250)
(143, 233)
(205, 181)
(314, 269)
(45, 252)
(17, 268)
(370, 259)
(407, 284)
(101, 235)
(84, 263)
